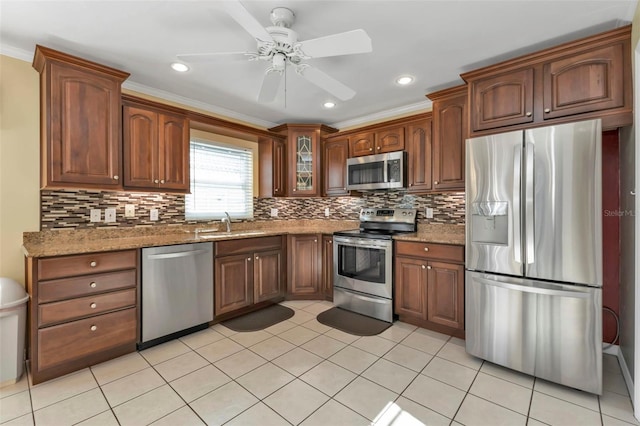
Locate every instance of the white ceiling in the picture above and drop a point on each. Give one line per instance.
(433, 40)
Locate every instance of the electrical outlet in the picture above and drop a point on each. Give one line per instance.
(96, 215)
(110, 215)
(153, 214)
(327, 212)
(129, 210)
(274, 212)
(429, 213)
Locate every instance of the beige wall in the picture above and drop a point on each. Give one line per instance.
(19, 162)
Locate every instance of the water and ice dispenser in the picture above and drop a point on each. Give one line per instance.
(490, 222)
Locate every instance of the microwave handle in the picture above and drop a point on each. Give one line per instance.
(385, 178)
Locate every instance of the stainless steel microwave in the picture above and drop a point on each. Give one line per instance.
(379, 171)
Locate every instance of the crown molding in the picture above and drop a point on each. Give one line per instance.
(27, 56)
(383, 115)
(224, 112)
(14, 52)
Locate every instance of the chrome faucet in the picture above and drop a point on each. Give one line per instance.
(227, 221)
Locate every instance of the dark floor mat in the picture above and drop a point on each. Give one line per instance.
(352, 323)
(259, 320)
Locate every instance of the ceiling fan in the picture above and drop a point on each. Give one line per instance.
(279, 46)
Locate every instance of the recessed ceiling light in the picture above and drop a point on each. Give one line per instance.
(177, 66)
(404, 80)
(329, 104)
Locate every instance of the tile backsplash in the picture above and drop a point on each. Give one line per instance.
(71, 208)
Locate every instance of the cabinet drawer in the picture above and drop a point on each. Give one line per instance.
(66, 288)
(69, 266)
(78, 339)
(67, 310)
(249, 245)
(430, 251)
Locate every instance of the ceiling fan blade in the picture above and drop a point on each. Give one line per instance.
(326, 82)
(213, 57)
(356, 41)
(270, 85)
(238, 12)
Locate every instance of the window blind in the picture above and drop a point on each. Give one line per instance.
(221, 181)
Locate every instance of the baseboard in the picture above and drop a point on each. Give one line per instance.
(628, 380)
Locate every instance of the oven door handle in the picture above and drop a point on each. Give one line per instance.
(355, 242)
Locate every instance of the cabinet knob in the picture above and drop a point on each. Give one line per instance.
(93, 328)
(315, 241)
(93, 264)
(330, 241)
(528, 114)
(378, 148)
(547, 110)
(370, 149)
(426, 249)
(156, 181)
(429, 267)
(161, 180)
(257, 257)
(294, 190)
(435, 182)
(344, 189)
(116, 177)
(248, 259)
(410, 184)
(423, 266)
(93, 285)
(93, 306)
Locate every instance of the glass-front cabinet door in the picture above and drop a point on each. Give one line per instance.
(304, 159)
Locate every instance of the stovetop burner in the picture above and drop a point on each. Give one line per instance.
(382, 224)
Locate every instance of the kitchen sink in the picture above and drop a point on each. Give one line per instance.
(221, 234)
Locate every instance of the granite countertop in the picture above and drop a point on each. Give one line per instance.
(65, 241)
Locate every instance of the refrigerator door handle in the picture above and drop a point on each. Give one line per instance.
(529, 215)
(516, 221)
(537, 290)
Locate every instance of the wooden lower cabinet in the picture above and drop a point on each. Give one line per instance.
(429, 286)
(305, 266)
(233, 283)
(247, 272)
(83, 310)
(327, 267)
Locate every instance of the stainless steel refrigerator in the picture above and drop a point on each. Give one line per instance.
(533, 295)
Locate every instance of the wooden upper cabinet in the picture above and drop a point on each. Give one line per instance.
(272, 155)
(449, 135)
(585, 82)
(336, 153)
(156, 148)
(390, 139)
(419, 154)
(502, 100)
(304, 159)
(80, 122)
(362, 144)
(580, 80)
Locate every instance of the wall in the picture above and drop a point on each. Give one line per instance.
(19, 161)
(71, 208)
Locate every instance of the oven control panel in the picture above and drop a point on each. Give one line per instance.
(388, 215)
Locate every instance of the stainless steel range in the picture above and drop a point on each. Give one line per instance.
(363, 262)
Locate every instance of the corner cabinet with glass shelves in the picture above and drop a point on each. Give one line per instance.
(304, 157)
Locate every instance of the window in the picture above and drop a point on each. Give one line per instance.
(221, 181)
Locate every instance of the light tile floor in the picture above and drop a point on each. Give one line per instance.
(302, 372)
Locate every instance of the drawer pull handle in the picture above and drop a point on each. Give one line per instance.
(93, 306)
(93, 264)
(93, 285)
(426, 249)
(93, 328)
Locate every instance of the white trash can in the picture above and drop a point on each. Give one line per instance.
(13, 319)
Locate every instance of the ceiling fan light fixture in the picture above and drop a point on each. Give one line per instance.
(404, 80)
(329, 104)
(179, 67)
